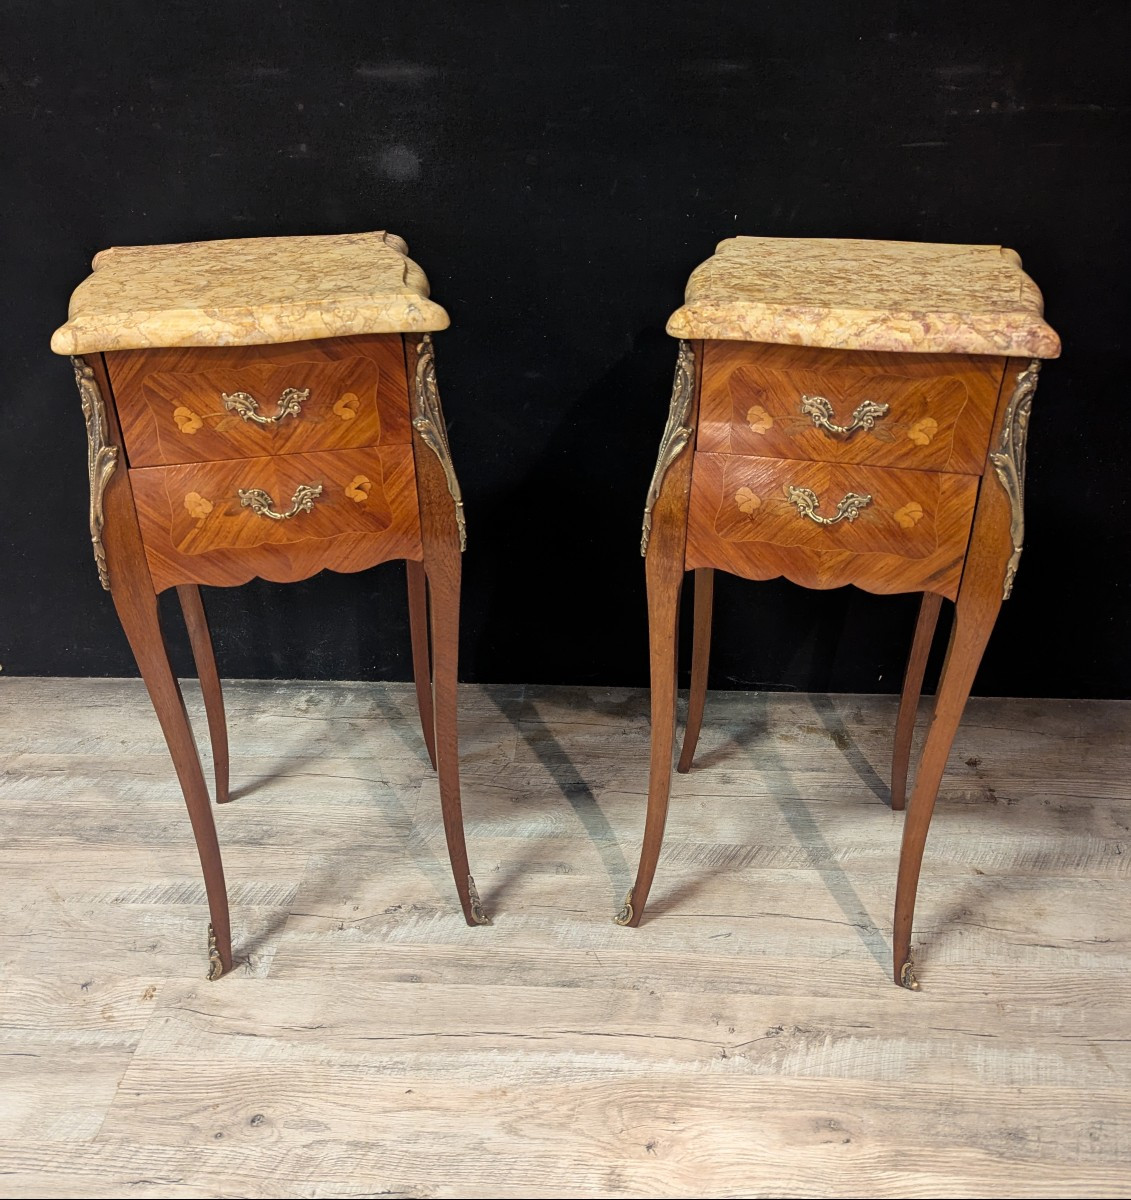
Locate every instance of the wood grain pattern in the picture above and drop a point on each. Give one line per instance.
(169, 401)
(940, 406)
(196, 530)
(376, 1044)
(912, 537)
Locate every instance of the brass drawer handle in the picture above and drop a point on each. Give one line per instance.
(820, 412)
(260, 502)
(806, 502)
(246, 406)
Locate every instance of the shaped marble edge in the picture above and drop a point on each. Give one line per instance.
(395, 307)
(721, 305)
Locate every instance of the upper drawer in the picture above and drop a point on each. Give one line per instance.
(210, 403)
(927, 412)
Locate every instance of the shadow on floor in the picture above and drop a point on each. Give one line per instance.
(800, 819)
(561, 768)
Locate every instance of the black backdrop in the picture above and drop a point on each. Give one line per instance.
(558, 169)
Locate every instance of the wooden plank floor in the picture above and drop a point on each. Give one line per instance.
(745, 1041)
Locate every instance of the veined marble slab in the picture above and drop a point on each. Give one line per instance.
(850, 294)
(248, 292)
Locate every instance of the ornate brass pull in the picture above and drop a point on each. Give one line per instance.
(246, 406)
(820, 412)
(807, 502)
(260, 502)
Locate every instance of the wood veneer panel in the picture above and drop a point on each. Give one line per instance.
(196, 530)
(171, 408)
(912, 537)
(941, 407)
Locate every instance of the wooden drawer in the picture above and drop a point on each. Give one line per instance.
(172, 408)
(911, 535)
(197, 528)
(766, 400)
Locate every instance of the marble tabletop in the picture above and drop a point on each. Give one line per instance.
(247, 292)
(850, 294)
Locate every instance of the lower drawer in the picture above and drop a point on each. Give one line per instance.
(827, 524)
(282, 518)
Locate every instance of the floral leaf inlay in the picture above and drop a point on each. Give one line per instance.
(746, 500)
(187, 421)
(196, 506)
(358, 489)
(923, 430)
(758, 419)
(346, 406)
(910, 514)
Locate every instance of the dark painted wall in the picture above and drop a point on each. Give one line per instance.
(558, 169)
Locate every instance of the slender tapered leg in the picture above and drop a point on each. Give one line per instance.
(124, 572)
(201, 640)
(972, 629)
(444, 587)
(700, 660)
(421, 658)
(987, 578)
(663, 545)
(138, 615)
(442, 541)
(664, 580)
(909, 700)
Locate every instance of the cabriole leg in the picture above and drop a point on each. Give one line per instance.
(987, 579)
(442, 538)
(664, 581)
(663, 544)
(122, 570)
(138, 614)
(968, 640)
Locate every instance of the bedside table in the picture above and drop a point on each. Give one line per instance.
(844, 412)
(268, 407)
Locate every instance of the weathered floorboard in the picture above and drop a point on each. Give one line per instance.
(745, 1040)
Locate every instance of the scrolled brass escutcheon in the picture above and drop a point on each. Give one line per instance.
(247, 407)
(260, 502)
(807, 503)
(428, 421)
(101, 458)
(676, 436)
(1009, 462)
(820, 412)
